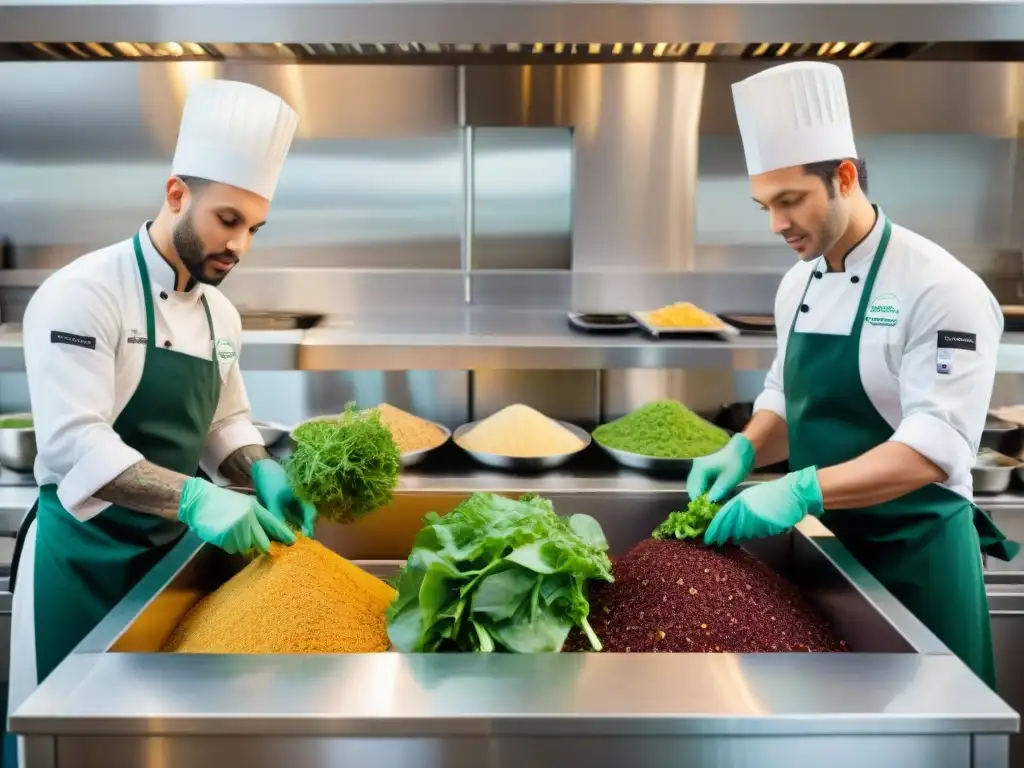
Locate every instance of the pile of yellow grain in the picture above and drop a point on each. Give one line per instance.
(683, 315)
(411, 433)
(522, 432)
(298, 599)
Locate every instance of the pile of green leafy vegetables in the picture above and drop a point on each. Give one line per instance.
(690, 523)
(498, 574)
(345, 466)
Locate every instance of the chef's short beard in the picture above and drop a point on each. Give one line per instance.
(833, 227)
(191, 252)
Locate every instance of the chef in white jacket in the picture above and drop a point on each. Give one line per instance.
(131, 354)
(887, 349)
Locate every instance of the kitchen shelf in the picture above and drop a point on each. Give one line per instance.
(479, 338)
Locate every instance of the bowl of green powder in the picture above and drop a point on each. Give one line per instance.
(662, 437)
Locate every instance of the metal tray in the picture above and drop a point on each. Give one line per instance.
(749, 322)
(114, 701)
(603, 322)
(519, 463)
(726, 332)
(278, 321)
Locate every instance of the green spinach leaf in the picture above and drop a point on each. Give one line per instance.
(690, 523)
(498, 574)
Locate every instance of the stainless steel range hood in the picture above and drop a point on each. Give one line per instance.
(458, 30)
(508, 53)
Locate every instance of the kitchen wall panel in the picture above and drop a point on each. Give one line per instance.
(374, 178)
(902, 97)
(522, 198)
(292, 396)
(624, 391)
(568, 395)
(956, 189)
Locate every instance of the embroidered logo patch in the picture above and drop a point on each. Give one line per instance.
(225, 349)
(957, 340)
(946, 343)
(134, 337)
(72, 339)
(884, 310)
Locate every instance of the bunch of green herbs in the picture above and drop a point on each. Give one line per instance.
(665, 429)
(498, 574)
(690, 523)
(346, 466)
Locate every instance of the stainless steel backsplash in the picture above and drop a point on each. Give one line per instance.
(592, 186)
(595, 168)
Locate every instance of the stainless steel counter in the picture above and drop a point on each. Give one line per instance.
(902, 699)
(476, 337)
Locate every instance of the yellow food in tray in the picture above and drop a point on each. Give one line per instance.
(683, 315)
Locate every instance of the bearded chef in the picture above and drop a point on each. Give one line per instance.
(878, 394)
(131, 354)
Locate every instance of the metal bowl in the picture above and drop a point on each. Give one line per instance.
(410, 458)
(271, 431)
(18, 445)
(655, 465)
(992, 471)
(521, 463)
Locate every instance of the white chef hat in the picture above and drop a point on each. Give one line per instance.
(793, 114)
(234, 133)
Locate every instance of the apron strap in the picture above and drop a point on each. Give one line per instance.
(147, 295)
(865, 296)
(869, 283)
(209, 319)
(19, 543)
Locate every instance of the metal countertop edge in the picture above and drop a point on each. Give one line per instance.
(545, 724)
(62, 707)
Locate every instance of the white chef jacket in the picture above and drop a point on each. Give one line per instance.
(77, 392)
(935, 399)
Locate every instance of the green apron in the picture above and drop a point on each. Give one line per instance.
(83, 569)
(924, 546)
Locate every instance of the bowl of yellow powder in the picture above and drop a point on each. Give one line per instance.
(519, 438)
(416, 438)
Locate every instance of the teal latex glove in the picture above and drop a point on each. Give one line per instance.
(229, 520)
(767, 509)
(718, 474)
(275, 493)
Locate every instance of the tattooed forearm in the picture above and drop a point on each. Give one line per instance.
(145, 487)
(238, 466)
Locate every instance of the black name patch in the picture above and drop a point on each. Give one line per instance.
(72, 339)
(958, 340)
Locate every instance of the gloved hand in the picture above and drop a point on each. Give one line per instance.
(767, 508)
(229, 520)
(276, 494)
(717, 474)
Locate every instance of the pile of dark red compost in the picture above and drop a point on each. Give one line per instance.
(678, 596)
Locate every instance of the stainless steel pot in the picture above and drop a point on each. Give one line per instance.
(992, 471)
(17, 445)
